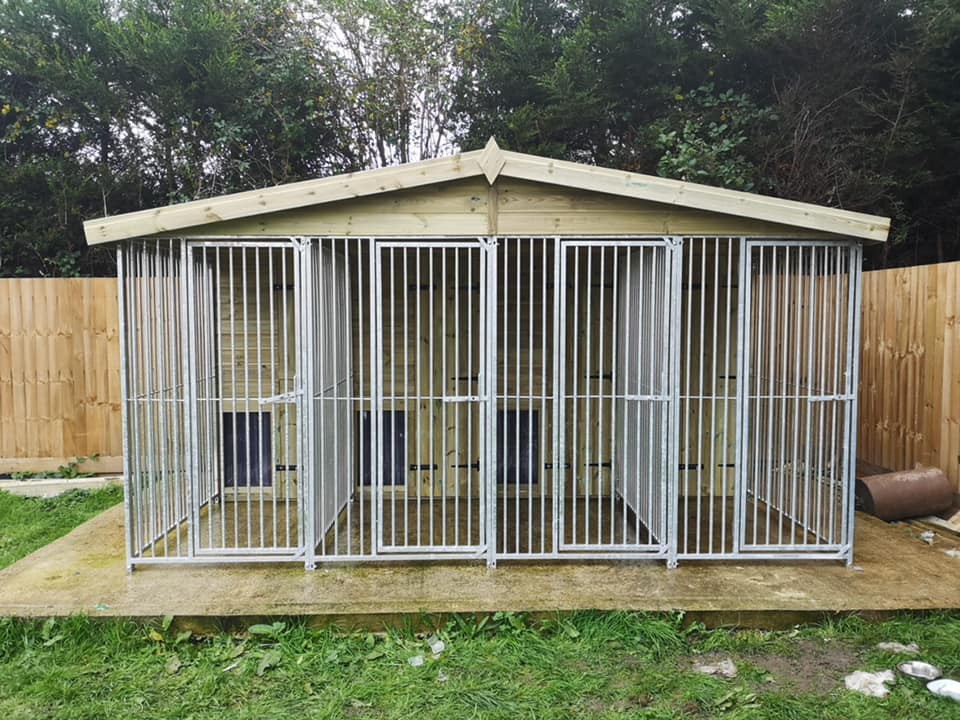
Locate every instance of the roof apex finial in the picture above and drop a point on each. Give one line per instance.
(491, 160)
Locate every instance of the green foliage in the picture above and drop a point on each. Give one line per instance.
(69, 471)
(109, 106)
(849, 103)
(703, 140)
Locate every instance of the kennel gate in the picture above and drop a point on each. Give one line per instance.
(346, 399)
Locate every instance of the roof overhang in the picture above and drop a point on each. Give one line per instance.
(491, 162)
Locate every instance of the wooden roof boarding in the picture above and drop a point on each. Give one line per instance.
(492, 167)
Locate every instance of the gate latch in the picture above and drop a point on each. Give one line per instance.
(287, 397)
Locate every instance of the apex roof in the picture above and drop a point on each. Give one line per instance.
(492, 162)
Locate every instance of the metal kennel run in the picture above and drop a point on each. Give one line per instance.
(320, 399)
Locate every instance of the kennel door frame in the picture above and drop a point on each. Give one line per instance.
(671, 278)
(838, 541)
(201, 288)
(484, 399)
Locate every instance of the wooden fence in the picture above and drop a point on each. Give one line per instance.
(59, 374)
(910, 368)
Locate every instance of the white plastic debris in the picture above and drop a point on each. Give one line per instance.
(725, 668)
(416, 660)
(953, 552)
(437, 646)
(442, 677)
(927, 536)
(918, 669)
(945, 688)
(870, 684)
(895, 647)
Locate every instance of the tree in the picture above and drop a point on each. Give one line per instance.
(108, 107)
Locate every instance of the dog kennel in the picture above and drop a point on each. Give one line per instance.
(491, 356)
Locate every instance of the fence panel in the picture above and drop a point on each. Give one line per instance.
(59, 373)
(910, 368)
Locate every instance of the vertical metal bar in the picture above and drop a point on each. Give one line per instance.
(852, 383)
(393, 395)
(741, 409)
(758, 392)
(588, 387)
(168, 472)
(347, 398)
(289, 386)
(365, 267)
(654, 384)
(712, 475)
(530, 403)
(601, 319)
(376, 398)
(797, 396)
(214, 439)
(821, 389)
(811, 315)
(624, 382)
(644, 320)
(490, 373)
(502, 411)
(323, 346)
(431, 379)
(458, 374)
(614, 375)
(333, 312)
(188, 320)
(258, 407)
(783, 393)
(516, 399)
(271, 282)
(442, 392)
(575, 435)
(543, 394)
(836, 391)
(235, 312)
(688, 372)
(222, 461)
(134, 285)
(772, 357)
(481, 520)
(558, 472)
(673, 429)
(245, 298)
(726, 394)
(131, 551)
(824, 530)
(173, 409)
(419, 370)
(701, 323)
(305, 259)
(149, 306)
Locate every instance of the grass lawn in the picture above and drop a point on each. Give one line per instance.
(592, 665)
(28, 523)
(589, 665)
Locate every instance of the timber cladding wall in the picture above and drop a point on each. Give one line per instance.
(59, 373)
(910, 368)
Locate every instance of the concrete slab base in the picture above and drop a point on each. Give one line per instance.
(85, 572)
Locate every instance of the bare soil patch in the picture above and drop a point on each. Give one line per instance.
(814, 668)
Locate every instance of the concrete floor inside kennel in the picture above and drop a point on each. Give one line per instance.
(85, 572)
